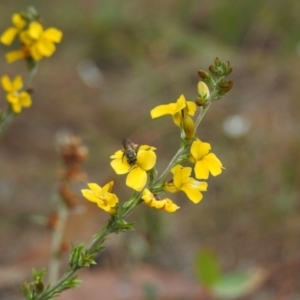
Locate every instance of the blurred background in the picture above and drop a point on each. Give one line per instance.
(118, 60)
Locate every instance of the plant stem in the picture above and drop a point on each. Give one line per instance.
(47, 294)
(62, 214)
(201, 115)
(6, 120)
(170, 166)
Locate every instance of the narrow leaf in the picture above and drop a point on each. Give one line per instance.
(208, 270)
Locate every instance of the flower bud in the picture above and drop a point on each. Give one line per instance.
(229, 70)
(226, 86)
(203, 75)
(203, 90)
(213, 69)
(189, 127)
(217, 61)
(200, 101)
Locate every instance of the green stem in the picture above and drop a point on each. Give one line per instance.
(170, 166)
(31, 75)
(47, 294)
(135, 201)
(57, 236)
(201, 115)
(6, 119)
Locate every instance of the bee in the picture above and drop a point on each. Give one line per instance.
(130, 151)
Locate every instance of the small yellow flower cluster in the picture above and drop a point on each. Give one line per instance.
(139, 161)
(36, 43)
(205, 163)
(15, 96)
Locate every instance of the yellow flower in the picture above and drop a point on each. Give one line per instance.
(14, 96)
(164, 204)
(178, 110)
(183, 182)
(102, 196)
(39, 43)
(36, 43)
(9, 34)
(205, 162)
(137, 177)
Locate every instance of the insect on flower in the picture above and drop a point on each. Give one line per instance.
(130, 151)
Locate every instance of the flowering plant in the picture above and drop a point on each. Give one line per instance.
(35, 43)
(191, 164)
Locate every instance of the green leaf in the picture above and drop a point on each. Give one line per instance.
(208, 270)
(26, 291)
(34, 273)
(236, 285)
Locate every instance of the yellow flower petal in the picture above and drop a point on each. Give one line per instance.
(171, 108)
(147, 196)
(199, 149)
(8, 36)
(214, 164)
(18, 21)
(193, 189)
(192, 107)
(12, 98)
(164, 204)
(136, 179)
(35, 52)
(95, 187)
(108, 187)
(6, 83)
(12, 56)
(120, 166)
(35, 30)
(25, 99)
(111, 199)
(17, 83)
(146, 159)
(53, 34)
(147, 148)
(170, 206)
(201, 170)
(16, 107)
(90, 195)
(181, 175)
(45, 47)
(26, 38)
(119, 154)
(162, 110)
(193, 194)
